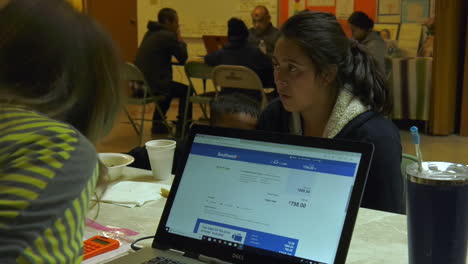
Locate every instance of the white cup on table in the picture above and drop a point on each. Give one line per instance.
(161, 156)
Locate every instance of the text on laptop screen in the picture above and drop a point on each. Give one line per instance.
(281, 198)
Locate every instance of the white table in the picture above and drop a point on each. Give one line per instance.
(378, 237)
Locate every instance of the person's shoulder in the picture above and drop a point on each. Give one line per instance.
(274, 117)
(39, 133)
(375, 126)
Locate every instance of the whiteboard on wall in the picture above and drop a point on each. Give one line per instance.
(209, 17)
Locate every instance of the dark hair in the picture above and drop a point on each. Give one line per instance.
(166, 15)
(324, 42)
(59, 62)
(237, 30)
(361, 20)
(234, 103)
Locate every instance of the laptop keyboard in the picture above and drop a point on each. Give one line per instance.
(162, 260)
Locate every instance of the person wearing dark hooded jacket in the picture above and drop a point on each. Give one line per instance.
(238, 51)
(160, 43)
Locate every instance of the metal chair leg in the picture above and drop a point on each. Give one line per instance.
(131, 120)
(184, 119)
(142, 125)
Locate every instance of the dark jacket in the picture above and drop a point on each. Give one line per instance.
(243, 54)
(384, 187)
(154, 56)
(269, 36)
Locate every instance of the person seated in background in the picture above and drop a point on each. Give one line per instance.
(59, 94)
(263, 34)
(361, 26)
(329, 87)
(160, 43)
(232, 110)
(239, 52)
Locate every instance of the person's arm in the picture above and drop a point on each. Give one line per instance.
(51, 176)
(214, 59)
(384, 187)
(179, 49)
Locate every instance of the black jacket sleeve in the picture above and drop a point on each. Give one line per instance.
(179, 50)
(384, 186)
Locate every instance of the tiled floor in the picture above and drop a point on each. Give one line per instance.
(450, 148)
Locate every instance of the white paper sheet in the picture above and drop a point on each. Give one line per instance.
(131, 194)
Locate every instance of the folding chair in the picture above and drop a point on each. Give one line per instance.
(132, 73)
(197, 70)
(239, 77)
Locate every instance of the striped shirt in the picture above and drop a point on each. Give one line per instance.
(48, 171)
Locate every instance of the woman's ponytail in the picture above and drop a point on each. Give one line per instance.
(361, 72)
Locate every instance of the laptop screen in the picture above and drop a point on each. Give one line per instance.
(281, 198)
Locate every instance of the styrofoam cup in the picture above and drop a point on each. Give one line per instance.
(161, 155)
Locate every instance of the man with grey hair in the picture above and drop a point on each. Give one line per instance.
(263, 34)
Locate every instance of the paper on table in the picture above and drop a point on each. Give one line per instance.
(131, 194)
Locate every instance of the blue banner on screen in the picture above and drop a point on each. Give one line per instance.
(275, 243)
(274, 159)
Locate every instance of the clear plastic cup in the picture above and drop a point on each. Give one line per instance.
(161, 156)
(437, 210)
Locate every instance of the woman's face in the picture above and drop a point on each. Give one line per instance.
(299, 87)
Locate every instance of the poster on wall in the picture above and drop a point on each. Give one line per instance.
(321, 3)
(414, 11)
(296, 6)
(389, 11)
(344, 8)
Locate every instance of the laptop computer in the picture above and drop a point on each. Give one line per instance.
(214, 43)
(244, 196)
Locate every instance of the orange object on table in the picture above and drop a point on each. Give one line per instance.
(98, 245)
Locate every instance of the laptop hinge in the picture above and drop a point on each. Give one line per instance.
(176, 252)
(185, 254)
(191, 255)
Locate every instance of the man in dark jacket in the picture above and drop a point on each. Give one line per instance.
(263, 34)
(239, 52)
(160, 43)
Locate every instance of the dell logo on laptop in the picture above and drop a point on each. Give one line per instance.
(237, 256)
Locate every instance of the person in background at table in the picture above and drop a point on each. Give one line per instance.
(239, 52)
(160, 43)
(234, 110)
(263, 34)
(361, 26)
(59, 94)
(329, 87)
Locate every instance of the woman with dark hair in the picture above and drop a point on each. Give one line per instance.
(329, 87)
(59, 94)
(362, 26)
